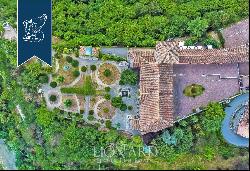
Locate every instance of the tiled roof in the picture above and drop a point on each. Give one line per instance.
(156, 90)
(156, 77)
(139, 55)
(209, 56)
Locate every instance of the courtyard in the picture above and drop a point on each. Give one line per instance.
(219, 82)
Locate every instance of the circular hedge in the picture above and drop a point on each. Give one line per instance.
(84, 68)
(53, 84)
(93, 67)
(53, 98)
(107, 96)
(123, 107)
(107, 89)
(193, 90)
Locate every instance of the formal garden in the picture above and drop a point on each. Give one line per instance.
(93, 89)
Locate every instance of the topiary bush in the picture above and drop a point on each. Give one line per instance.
(107, 96)
(53, 98)
(68, 103)
(93, 67)
(107, 89)
(53, 84)
(76, 73)
(84, 68)
(107, 73)
(91, 112)
(130, 107)
(75, 63)
(123, 107)
(69, 59)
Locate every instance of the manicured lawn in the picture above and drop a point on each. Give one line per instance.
(108, 73)
(193, 90)
(88, 88)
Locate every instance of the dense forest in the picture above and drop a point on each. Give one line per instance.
(140, 22)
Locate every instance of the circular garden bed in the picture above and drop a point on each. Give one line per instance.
(106, 110)
(108, 73)
(193, 90)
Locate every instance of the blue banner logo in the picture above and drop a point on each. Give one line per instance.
(34, 30)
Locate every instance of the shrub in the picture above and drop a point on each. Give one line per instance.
(60, 79)
(53, 98)
(43, 79)
(117, 102)
(93, 67)
(75, 63)
(107, 89)
(210, 41)
(82, 111)
(107, 96)
(130, 107)
(91, 112)
(108, 124)
(76, 73)
(68, 103)
(191, 41)
(91, 118)
(129, 77)
(53, 84)
(69, 59)
(106, 110)
(123, 107)
(107, 73)
(84, 68)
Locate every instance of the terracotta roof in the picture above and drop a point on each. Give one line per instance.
(209, 56)
(156, 78)
(156, 90)
(139, 55)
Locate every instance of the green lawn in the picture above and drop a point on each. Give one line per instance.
(88, 88)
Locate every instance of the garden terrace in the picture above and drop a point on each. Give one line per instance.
(113, 73)
(73, 107)
(66, 73)
(106, 110)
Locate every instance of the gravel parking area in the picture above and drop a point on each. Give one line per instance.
(219, 81)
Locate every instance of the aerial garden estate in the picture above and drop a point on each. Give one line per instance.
(139, 85)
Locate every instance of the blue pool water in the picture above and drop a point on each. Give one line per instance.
(88, 51)
(227, 133)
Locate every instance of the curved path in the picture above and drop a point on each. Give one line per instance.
(227, 133)
(7, 158)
